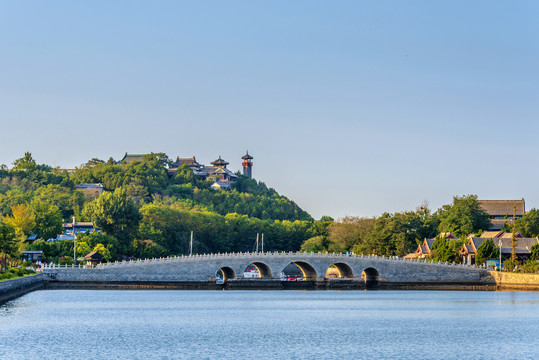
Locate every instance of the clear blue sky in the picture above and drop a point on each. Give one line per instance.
(348, 107)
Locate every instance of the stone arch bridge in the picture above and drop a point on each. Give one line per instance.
(352, 270)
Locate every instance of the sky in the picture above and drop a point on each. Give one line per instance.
(349, 108)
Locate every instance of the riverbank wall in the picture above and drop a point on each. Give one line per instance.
(515, 281)
(491, 281)
(11, 289)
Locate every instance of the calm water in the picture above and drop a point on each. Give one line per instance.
(116, 324)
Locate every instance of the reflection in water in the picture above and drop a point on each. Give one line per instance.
(97, 324)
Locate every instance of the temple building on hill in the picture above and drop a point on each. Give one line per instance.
(90, 190)
(217, 170)
(247, 165)
(129, 158)
(501, 211)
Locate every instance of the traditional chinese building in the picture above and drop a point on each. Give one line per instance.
(424, 249)
(501, 211)
(90, 190)
(129, 158)
(502, 241)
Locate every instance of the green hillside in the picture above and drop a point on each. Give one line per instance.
(146, 212)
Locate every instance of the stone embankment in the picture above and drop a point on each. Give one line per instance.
(515, 281)
(11, 289)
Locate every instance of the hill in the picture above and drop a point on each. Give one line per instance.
(146, 210)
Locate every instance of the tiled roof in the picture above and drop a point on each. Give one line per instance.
(491, 234)
(503, 207)
(192, 161)
(523, 244)
(128, 158)
(89, 186)
(510, 235)
(85, 224)
(477, 241)
(219, 162)
(94, 255)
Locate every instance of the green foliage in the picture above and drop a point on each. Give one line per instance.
(53, 250)
(66, 199)
(535, 252)
(487, 250)
(528, 225)
(446, 250)
(511, 265)
(13, 273)
(399, 233)
(463, 217)
(100, 248)
(48, 218)
(24, 163)
(184, 175)
(347, 232)
(315, 244)
(115, 214)
(531, 266)
(8, 244)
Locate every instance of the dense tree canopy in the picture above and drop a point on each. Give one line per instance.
(464, 216)
(528, 225)
(9, 243)
(146, 212)
(487, 250)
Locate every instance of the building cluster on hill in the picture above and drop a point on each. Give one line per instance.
(217, 170)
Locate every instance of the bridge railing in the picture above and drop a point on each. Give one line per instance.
(249, 254)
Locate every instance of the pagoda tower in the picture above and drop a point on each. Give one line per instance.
(247, 165)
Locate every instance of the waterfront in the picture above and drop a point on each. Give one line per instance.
(120, 324)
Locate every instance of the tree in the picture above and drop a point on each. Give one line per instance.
(83, 248)
(24, 163)
(535, 252)
(48, 219)
(8, 244)
(528, 225)
(397, 234)
(463, 217)
(349, 231)
(115, 214)
(315, 244)
(22, 219)
(100, 248)
(487, 250)
(444, 249)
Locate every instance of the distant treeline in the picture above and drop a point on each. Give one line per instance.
(144, 212)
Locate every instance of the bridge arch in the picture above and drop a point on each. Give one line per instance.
(370, 275)
(309, 273)
(226, 273)
(339, 270)
(264, 270)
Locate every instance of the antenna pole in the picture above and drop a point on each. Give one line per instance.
(262, 242)
(191, 245)
(257, 242)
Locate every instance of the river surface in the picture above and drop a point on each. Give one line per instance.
(176, 324)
